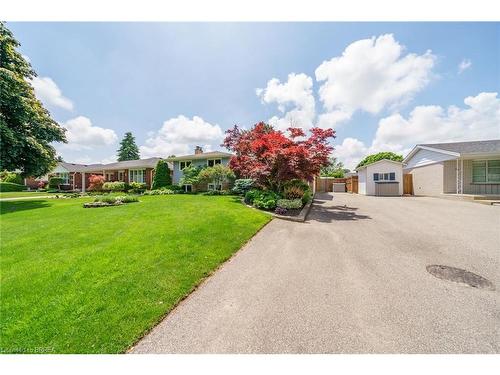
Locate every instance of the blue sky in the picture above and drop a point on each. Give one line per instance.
(175, 85)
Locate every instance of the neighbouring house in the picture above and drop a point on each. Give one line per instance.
(76, 176)
(382, 178)
(198, 159)
(455, 168)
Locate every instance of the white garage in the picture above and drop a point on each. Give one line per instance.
(382, 178)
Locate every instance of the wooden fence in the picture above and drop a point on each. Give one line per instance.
(408, 184)
(352, 184)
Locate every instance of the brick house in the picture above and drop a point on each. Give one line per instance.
(76, 176)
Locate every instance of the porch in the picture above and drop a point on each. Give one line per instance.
(472, 178)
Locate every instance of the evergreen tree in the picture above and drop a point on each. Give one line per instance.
(162, 175)
(26, 128)
(128, 149)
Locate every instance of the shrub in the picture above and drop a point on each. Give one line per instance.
(293, 192)
(12, 177)
(42, 184)
(280, 211)
(96, 182)
(114, 186)
(266, 200)
(296, 183)
(137, 187)
(162, 175)
(250, 195)
(216, 192)
(306, 198)
(159, 192)
(127, 199)
(242, 185)
(290, 204)
(175, 188)
(54, 182)
(112, 200)
(9, 186)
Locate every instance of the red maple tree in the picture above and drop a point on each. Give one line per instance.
(271, 158)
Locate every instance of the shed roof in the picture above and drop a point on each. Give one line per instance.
(377, 162)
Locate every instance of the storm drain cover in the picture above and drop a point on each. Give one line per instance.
(458, 275)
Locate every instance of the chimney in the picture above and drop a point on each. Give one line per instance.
(198, 150)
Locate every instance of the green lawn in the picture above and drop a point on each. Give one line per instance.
(77, 280)
(16, 194)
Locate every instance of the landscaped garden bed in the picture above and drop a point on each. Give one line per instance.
(110, 200)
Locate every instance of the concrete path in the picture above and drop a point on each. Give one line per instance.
(351, 279)
(24, 198)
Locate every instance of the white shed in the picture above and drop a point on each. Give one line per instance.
(382, 178)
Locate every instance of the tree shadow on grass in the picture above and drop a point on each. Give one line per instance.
(329, 214)
(16, 206)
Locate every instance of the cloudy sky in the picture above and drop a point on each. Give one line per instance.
(381, 86)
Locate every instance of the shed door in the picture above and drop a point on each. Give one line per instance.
(387, 189)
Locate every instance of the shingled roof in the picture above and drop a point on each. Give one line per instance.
(490, 146)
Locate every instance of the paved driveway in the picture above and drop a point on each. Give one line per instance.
(352, 279)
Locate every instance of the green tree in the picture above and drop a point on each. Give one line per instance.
(334, 168)
(218, 174)
(128, 149)
(379, 156)
(26, 128)
(162, 175)
(190, 175)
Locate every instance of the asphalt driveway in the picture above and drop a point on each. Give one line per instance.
(351, 279)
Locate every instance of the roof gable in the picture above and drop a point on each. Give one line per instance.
(379, 161)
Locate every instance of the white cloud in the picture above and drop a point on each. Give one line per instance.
(464, 65)
(179, 136)
(50, 94)
(429, 124)
(371, 75)
(294, 98)
(82, 135)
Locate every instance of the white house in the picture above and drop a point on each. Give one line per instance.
(455, 168)
(382, 178)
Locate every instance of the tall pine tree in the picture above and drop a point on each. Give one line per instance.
(128, 149)
(26, 128)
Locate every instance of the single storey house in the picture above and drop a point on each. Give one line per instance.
(198, 159)
(381, 178)
(455, 168)
(76, 176)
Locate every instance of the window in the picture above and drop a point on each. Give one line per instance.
(110, 176)
(121, 176)
(136, 175)
(212, 162)
(384, 176)
(485, 171)
(184, 164)
(64, 176)
(188, 188)
(213, 186)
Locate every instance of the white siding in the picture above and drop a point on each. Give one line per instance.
(383, 167)
(426, 157)
(59, 169)
(362, 181)
(427, 180)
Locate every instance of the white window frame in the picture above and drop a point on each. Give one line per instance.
(214, 160)
(132, 174)
(487, 180)
(185, 164)
(185, 188)
(212, 186)
(381, 176)
(121, 175)
(112, 174)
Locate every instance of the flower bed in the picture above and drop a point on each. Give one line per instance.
(109, 200)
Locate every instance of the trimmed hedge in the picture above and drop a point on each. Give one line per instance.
(10, 186)
(54, 182)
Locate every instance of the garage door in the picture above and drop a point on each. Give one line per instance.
(387, 189)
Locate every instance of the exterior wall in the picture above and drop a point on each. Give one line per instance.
(362, 181)
(177, 173)
(426, 157)
(383, 167)
(478, 188)
(427, 180)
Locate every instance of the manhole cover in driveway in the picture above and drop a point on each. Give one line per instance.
(458, 275)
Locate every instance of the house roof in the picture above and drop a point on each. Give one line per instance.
(203, 155)
(139, 163)
(377, 162)
(459, 148)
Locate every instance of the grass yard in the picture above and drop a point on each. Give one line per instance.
(77, 280)
(17, 194)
